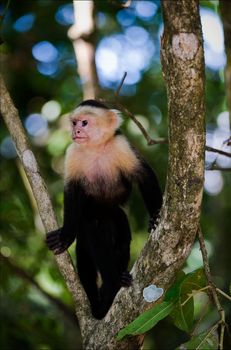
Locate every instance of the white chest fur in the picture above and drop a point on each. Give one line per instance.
(104, 162)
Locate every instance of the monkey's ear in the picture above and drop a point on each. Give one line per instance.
(115, 118)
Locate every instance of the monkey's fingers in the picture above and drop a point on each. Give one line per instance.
(53, 240)
(57, 247)
(60, 250)
(53, 234)
(126, 279)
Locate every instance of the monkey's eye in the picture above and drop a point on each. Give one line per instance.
(84, 123)
(74, 122)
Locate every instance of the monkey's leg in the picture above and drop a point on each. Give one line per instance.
(88, 277)
(105, 259)
(122, 247)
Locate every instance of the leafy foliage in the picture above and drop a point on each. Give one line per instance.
(183, 312)
(147, 320)
(206, 340)
(178, 303)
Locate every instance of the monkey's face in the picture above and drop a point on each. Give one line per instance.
(93, 126)
(80, 128)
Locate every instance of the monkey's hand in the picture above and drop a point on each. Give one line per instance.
(126, 279)
(152, 224)
(57, 241)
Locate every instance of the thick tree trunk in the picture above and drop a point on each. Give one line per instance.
(169, 245)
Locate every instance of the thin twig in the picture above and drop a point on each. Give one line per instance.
(211, 284)
(120, 86)
(223, 293)
(151, 141)
(194, 293)
(211, 330)
(215, 150)
(216, 167)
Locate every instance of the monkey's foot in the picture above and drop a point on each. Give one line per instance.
(126, 279)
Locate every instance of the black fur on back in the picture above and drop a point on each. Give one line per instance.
(93, 103)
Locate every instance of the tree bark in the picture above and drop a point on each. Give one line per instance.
(29, 163)
(169, 245)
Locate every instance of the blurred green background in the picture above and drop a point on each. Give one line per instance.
(39, 66)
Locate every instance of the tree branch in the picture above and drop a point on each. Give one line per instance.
(219, 151)
(212, 286)
(120, 86)
(81, 34)
(149, 140)
(14, 125)
(169, 245)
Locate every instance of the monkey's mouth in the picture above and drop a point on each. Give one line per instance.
(79, 139)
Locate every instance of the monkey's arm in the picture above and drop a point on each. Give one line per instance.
(150, 191)
(59, 240)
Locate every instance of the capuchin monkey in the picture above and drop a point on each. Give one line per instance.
(100, 167)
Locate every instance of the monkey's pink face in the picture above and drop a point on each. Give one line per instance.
(93, 129)
(80, 128)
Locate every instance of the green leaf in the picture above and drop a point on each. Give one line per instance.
(182, 315)
(205, 340)
(194, 281)
(147, 320)
(173, 292)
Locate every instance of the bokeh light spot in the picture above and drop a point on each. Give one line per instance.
(7, 148)
(45, 52)
(65, 15)
(24, 23)
(145, 9)
(51, 110)
(48, 69)
(5, 251)
(213, 39)
(213, 182)
(36, 125)
(126, 17)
